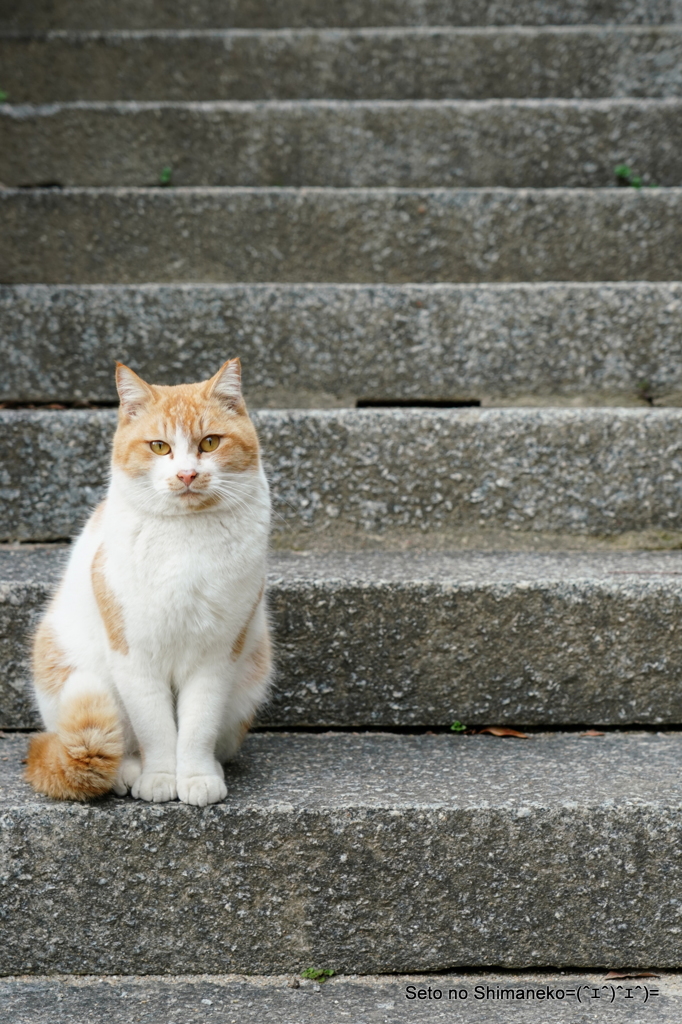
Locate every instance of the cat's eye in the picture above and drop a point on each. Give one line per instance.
(210, 443)
(159, 447)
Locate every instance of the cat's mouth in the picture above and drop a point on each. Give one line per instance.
(188, 490)
(196, 499)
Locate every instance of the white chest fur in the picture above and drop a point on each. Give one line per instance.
(187, 583)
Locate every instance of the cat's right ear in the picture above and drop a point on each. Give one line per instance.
(226, 385)
(132, 390)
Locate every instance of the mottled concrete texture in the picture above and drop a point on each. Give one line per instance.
(483, 997)
(422, 640)
(363, 853)
(361, 472)
(90, 236)
(511, 143)
(183, 14)
(329, 345)
(370, 63)
(26, 580)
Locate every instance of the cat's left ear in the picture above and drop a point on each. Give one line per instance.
(227, 385)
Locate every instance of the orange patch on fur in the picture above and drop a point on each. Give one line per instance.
(259, 662)
(239, 449)
(238, 645)
(109, 608)
(244, 728)
(79, 761)
(50, 666)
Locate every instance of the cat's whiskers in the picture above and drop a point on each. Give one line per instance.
(259, 503)
(234, 501)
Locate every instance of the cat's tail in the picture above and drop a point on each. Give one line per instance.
(81, 760)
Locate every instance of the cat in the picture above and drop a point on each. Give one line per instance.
(154, 654)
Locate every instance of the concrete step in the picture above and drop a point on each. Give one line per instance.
(90, 236)
(414, 144)
(417, 475)
(359, 853)
(206, 14)
(374, 63)
(332, 345)
(422, 640)
(387, 999)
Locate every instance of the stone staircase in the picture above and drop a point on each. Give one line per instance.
(462, 343)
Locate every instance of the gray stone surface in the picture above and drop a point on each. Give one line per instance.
(25, 583)
(90, 236)
(372, 63)
(511, 143)
(348, 473)
(140, 14)
(422, 640)
(329, 345)
(362, 853)
(483, 997)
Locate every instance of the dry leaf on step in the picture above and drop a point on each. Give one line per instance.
(620, 975)
(496, 730)
(592, 732)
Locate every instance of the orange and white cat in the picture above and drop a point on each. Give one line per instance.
(154, 654)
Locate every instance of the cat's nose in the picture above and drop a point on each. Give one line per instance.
(187, 476)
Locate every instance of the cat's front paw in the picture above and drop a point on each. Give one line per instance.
(201, 789)
(128, 774)
(156, 787)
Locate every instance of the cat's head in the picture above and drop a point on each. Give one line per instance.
(184, 449)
